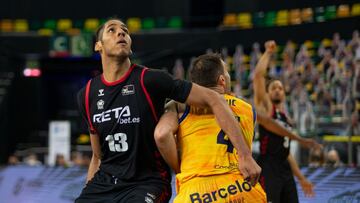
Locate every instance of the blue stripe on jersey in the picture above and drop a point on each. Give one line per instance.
(254, 117)
(254, 114)
(187, 110)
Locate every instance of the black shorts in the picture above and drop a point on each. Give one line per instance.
(104, 188)
(278, 181)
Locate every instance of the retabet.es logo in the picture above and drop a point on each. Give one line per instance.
(122, 114)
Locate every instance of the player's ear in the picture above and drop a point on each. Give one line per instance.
(221, 80)
(98, 46)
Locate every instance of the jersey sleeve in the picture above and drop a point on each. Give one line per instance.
(159, 83)
(81, 106)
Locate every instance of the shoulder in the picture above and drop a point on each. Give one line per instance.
(240, 102)
(81, 92)
(244, 106)
(155, 72)
(155, 76)
(93, 82)
(89, 85)
(81, 98)
(138, 68)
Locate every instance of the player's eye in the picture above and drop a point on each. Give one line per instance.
(125, 30)
(111, 30)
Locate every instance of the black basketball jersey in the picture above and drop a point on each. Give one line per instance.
(124, 115)
(272, 145)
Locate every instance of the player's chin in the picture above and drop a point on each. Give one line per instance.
(123, 53)
(276, 100)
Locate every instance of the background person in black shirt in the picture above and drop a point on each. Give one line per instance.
(278, 165)
(122, 107)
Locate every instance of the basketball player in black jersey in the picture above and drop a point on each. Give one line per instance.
(121, 107)
(278, 165)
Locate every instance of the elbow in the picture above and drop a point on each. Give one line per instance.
(161, 134)
(96, 156)
(96, 159)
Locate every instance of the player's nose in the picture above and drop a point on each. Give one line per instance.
(121, 33)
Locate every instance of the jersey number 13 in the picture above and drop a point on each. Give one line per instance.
(117, 142)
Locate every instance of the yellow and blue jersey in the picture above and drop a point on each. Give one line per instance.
(205, 149)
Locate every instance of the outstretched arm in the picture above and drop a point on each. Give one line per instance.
(261, 98)
(204, 97)
(306, 185)
(278, 129)
(165, 136)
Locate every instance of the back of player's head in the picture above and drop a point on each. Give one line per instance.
(100, 30)
(206, 70)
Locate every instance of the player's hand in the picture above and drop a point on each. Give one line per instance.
(249, 168)
(307, 187)
(270, 46)
(310, 143)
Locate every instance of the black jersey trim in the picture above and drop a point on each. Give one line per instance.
(122, 79)
(186, 112)
(87, 107)
(148, 98)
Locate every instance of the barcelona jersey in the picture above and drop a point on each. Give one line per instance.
(205, 149)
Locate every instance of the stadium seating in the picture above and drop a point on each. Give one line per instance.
(133, 24)
(64, 25)
(245, 21)
(148, 24)
(6, 25)
(307, 15)
(330, 12)
(91, 24)
(21, 25)
(175, 22)
(343, 11)
(241, 20)
(295, 17)
(230, 20)
(355, 10)
(282, 18)
(270, 18)
(259, 19)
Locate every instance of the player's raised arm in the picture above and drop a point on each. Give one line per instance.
(261, 98)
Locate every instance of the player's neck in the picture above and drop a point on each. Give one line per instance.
(218, 89)
(279, 106)
(113, 70)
